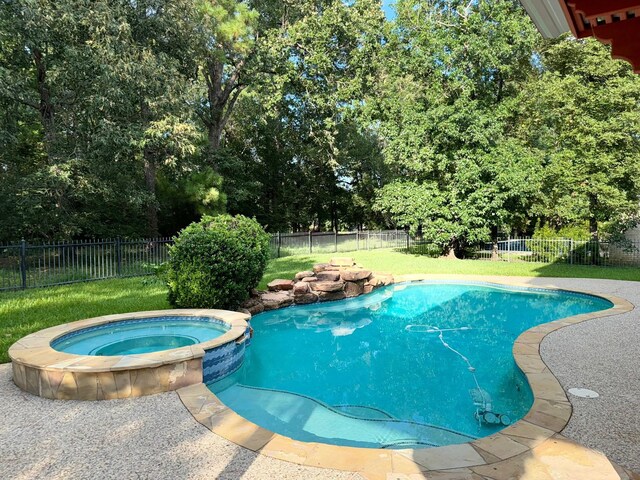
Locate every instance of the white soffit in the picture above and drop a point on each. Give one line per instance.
(548, 16)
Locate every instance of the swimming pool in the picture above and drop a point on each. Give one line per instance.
(411, 365)
(136, 336)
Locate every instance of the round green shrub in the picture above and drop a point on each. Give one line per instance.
(214, 263)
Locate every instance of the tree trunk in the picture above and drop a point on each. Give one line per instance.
(593, 221)
(215, 136)
(334, 217)
(152, 206)
(450, 251)
(223, 91)
(593, 227)
(45, 106)
(494, 243)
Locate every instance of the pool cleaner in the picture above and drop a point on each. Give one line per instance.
(484, 409)
(481, 399)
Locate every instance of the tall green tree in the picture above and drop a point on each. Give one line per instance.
(103, 87)
(299, 122)
(583, 115)
(450, 75)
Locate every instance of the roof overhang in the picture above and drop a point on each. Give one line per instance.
(614, 22)
(548, 16)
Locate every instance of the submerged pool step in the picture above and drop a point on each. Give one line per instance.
(307, 419)
(363, 411)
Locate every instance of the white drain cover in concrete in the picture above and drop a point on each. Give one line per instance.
(583, 393)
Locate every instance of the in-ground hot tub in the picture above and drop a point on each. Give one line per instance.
(141, 335)
(130, 355)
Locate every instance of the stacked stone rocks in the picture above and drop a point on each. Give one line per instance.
(338, 279)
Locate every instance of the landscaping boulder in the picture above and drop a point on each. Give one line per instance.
(327, 286)
(254, 305)
(320, 267)
(354, 274)
(336, 280)
(328, 276)
(305, 298)
(300, 288)
(354, 289)
(380, 280)
(302, 275)
(328, 296)
(377, 280)
(274, 300)
(342, 262)
(280, 284)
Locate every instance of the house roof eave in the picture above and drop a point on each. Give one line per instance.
(548, 16)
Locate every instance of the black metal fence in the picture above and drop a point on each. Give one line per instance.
(28, 265)
(287, 244)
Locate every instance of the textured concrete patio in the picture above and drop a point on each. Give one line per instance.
(156, 437)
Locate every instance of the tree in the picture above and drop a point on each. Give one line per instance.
(446, 125)
(109, 83)
(225, 47)
(582, 114)
(297, 131)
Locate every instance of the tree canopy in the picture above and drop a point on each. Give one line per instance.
(454, 120)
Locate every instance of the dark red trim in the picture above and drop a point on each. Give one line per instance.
(624, 38)
(614, 22)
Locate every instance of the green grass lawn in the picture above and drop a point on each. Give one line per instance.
(401, 263)
(27, 311)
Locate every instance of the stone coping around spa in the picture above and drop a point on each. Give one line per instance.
(539, 429)
(35, 350)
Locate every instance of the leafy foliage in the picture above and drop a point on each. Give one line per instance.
(582, 115)
(216, 262)
(448, 137)
(454, 120)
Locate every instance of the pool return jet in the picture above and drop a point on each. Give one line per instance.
(481, 399)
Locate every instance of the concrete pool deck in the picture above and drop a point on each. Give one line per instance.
(156, 437)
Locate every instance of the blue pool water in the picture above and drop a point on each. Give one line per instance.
(145, 335)
(411, 365)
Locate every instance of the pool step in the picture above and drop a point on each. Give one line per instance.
(363, 411)
(307, 419)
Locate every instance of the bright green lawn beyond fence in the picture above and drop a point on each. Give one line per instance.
(401, 263)
(27, 311)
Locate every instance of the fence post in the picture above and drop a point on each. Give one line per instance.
(357, 239)
(118, 257)
(508, 248)
(23, 263)
(310, 241)
(408, 238)
(279, 244)
(571, 252)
